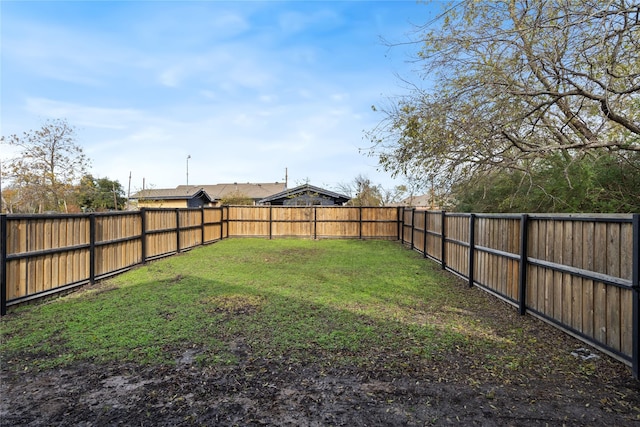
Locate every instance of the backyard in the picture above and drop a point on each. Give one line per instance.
(299, 332)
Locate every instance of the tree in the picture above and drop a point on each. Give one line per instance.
(48, 165)
(509, 83)
(236, 198)
(362, 192)
(608, 183)
(99, 194)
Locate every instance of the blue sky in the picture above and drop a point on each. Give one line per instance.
(246, 89)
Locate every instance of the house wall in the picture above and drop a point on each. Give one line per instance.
(308, 200)
(167, 204)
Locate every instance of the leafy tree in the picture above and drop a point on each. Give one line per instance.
(604, 184)
(48, 165)
(99, 194)
(236, 198)
(511, 82)
(362, 192)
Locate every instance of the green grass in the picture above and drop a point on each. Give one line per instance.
(343, 302)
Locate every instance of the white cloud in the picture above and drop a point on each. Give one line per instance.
(245, 88)
(83, 115)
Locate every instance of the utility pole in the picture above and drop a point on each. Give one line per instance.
(188, 157)
(129, 191)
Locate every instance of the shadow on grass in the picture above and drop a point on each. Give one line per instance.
(156, 322)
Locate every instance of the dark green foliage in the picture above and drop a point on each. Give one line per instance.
(99, 194)
(608, 183)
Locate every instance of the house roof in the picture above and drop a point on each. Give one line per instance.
(291, 192)
(171, 194)
(211, 192)
(252, 190)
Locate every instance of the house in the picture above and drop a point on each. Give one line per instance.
(256, 192)
(195, 196)
(305, 195)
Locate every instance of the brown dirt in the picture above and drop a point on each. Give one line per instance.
(277, 392)
(538, 383)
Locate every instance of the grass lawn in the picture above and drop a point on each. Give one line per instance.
(371, 304)
(334, 301)
(298, 332)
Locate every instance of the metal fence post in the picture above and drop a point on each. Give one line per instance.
(424, 243)
(443, 241)
(472, 245)
(413, 225)
(522, 276)
(202, 234)
(143, 234)
(635, 287)
(3, 265)
(177, 231)
(270, 222)
(92, 248)
(315, 223)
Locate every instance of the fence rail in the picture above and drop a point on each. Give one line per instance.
(580, 273)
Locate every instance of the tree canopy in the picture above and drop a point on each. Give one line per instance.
(99, 194)
(49, 164)
(237, 198)
(509, 85)
(49, 174)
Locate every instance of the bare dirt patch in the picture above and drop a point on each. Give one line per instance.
(260, 391)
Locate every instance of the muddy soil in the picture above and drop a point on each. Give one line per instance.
(258, 392)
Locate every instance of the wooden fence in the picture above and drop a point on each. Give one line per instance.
(316, 222)
(580, 273)
(42, 255)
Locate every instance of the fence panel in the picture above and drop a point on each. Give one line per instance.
(434, 234)
(214, 226)
(190, 228)
(292, 221)
(457, 244)
(580, 276)
(160, 232)
(247, 221)
(338, 221)
(497, 247)
(379, 222)
(407, 226)
(118, 242)
(43, 253)
(419, 233)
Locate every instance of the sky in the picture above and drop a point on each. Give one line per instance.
(212, 91)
